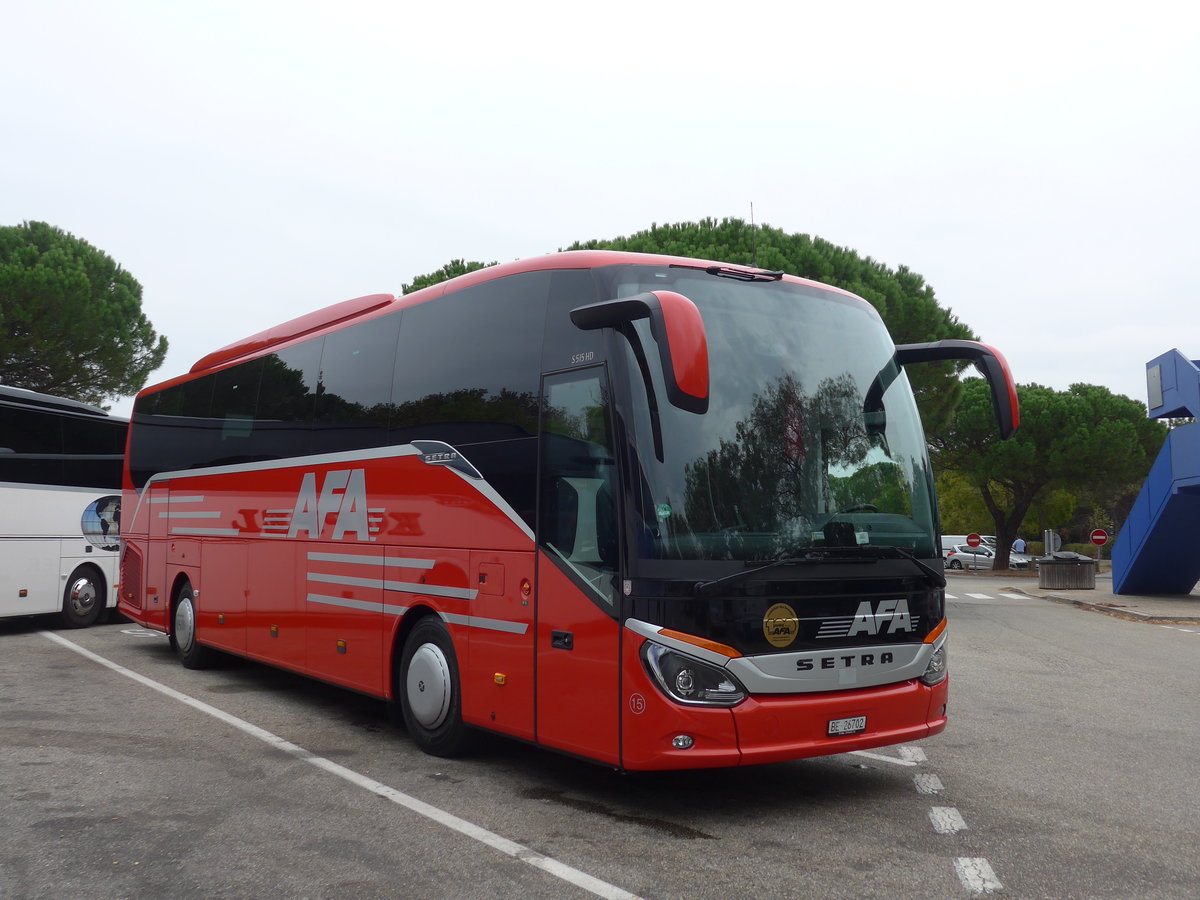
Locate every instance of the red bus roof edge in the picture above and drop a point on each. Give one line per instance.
(361, 306)
(293, 328)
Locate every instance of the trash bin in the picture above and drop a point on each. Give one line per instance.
(1067, 572)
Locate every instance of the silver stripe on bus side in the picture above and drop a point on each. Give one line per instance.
(489, 624)
(364, 605)
(501, 625)
(207, 532)
(367, 559)
(190, 514)
(408, 587)
(168, 499)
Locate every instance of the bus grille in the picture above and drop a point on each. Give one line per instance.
(131, 577)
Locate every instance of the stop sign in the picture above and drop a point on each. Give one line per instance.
(1099, 537)
(974, 540)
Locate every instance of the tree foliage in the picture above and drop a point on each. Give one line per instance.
(1083, 439)
(71, 320)
(452, 269)
(906, 303)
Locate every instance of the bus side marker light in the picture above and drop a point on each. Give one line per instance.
(220, 618)
(341, 646)
(23, 592)
(500, 678)
(526, 587)
(274, 631)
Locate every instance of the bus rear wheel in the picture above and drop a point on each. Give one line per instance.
(83, 598)
(427, 688)
(191, 653)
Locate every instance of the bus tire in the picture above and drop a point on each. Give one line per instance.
(428, 690)
(83, 597)
(191, 653)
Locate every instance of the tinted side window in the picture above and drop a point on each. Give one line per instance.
(172, 430)
(355, 391)
(567, 347)
(467, 374)
(578, 522)
(95, 452)
(31, 445)
(468, 363)
(234, 396)
(286, 399)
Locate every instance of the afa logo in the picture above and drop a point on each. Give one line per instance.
(343, 497)
(781, 625)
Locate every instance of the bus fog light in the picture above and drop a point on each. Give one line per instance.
(686, 679)
(935, 672)
(682, 742)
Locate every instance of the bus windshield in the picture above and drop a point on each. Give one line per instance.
(811, 439)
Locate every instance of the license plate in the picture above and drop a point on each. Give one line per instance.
(852, 725)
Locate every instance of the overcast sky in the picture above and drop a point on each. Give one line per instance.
(250, 161)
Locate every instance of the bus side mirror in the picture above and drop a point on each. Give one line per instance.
(991, 365)
(679, 332)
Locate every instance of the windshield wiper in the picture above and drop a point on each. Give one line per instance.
(838, 555)
(936, 578)
(702, 588)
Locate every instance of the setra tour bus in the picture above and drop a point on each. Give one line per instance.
(60, 483)
(654, 512)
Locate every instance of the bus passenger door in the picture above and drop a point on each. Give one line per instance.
(578, 635)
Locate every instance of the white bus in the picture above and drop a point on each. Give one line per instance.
(60, 506)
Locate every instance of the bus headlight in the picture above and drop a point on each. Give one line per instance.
(935, 672)
(686, 679)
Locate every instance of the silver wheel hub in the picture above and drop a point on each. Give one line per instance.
(185, 622)
(82, 596)
(427, 686)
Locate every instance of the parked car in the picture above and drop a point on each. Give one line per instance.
(963, 556)
(949, 540)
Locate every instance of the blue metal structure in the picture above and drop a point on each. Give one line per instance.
(1158, 549)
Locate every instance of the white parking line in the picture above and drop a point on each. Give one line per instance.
(946, 820)
(448, 820)
(909, 756)
(980, 596)
(928, 783)
(976, 875)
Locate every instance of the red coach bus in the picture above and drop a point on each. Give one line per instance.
(650, 511)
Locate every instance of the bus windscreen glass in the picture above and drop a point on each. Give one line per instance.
(811, 439)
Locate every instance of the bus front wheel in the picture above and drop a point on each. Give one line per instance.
(428, 690)
(191, 653)
(83, 598)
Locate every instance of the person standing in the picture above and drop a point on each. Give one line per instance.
(1019, 545)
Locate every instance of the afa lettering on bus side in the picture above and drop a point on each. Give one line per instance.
(343, 494)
